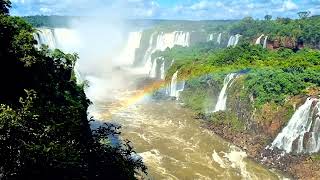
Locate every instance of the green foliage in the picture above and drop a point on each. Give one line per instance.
(282, 29)
(227, 119)
(44, 129)
(304, 14)
(268, 17)
(273, 76)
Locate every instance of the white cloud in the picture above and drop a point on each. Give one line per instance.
(180, 9)
(289, 6)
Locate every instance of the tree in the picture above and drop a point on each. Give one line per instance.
(267, 17)
(44, 127)
(4, 6)
(304, 14)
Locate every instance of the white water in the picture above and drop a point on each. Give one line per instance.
(302, 134)
(162, 41)
(233, 40)
(222, 99)
(45, 36)
(265, 42)
(128, 54)
(210, 37)
(175, 86)
(153, 72)
(237, 39)
(258, 41)
(162, 70)
(219, 38)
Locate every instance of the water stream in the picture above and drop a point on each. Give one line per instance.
(175, 146)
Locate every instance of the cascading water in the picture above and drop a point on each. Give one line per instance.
(265, 42)
(233, 40)
(210, 37)
(46, 37)
(127, 56)
(219, 38)
(222, 99)
(162, 70)
(62, 38)
(237, 37)
(175, 86)
(158, 68)
(163, 41)
(153, 72)
(302, 133)
(258, 41)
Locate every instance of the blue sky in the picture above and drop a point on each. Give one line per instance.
(168, 9)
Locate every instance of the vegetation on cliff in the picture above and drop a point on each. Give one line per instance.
(44, 128)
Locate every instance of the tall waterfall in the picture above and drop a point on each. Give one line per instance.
(258, 41)
(162, 70)
(153, 71)
(265, 42)
(222, 99)
(128, 54)
(45, 36)
(161, 41)
(175, 86)
(219, 38)
(233, 40)
(210, 37)
(302, 133)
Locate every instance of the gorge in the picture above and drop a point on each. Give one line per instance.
(160, 128)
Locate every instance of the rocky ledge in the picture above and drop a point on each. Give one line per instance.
(294, 166)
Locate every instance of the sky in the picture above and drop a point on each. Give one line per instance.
(167, 9)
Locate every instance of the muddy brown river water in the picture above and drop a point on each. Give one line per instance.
(173, 145)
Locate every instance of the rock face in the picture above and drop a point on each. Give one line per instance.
(262, 125)
(285, 42)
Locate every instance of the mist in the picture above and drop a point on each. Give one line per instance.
(99, 38)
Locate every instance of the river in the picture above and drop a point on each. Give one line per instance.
(173, 144)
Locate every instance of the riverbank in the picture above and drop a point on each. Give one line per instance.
(295, 166)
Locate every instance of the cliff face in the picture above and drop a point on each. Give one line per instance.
(285, 42)
(251, 127)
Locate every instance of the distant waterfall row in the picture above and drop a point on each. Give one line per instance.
(62, 38)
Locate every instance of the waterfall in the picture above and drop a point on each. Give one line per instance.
(222, 99)
(210, 37)
(62, 38)
(175, 86)
(219, 38)
(258, 41)
(162, 70)
(46, 37)
(237, 37)
(162, 41)
(158, 68)
(265, 42)
(233, 40)
(302, 133)
(153, 72)
(128, 54)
